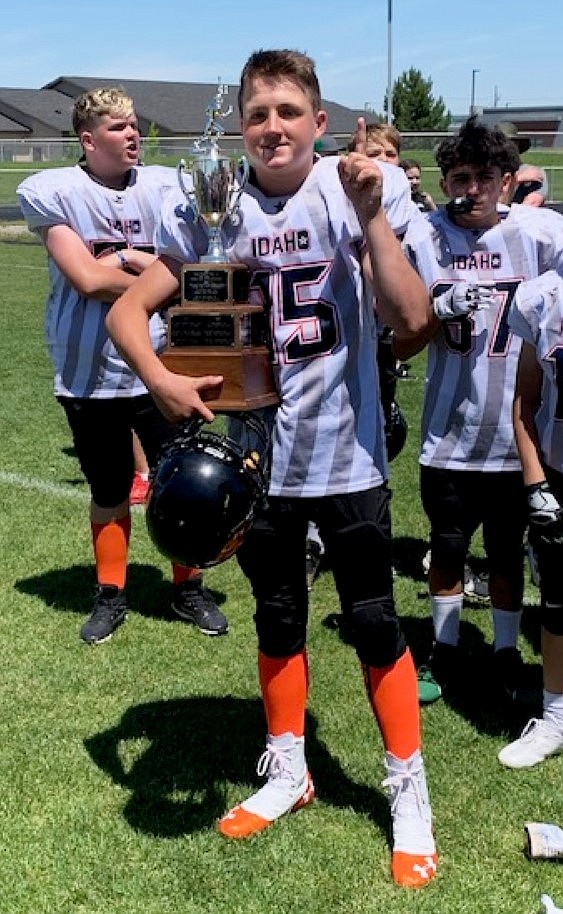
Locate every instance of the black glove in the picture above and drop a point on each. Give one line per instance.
(545, 515)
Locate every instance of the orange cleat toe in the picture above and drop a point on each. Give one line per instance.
(238, 823)
(413, 870)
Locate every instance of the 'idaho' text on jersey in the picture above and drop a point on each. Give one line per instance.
(281, 244)
(478, 260)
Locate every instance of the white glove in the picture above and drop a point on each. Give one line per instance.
(542, 504)
(463, 298)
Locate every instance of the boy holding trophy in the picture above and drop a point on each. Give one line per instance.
(319, 236)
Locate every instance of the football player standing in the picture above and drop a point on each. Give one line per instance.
(311, 229)
(97, 221)
(537, 317)
(472, 254)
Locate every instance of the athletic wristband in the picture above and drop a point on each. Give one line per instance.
(122, 260)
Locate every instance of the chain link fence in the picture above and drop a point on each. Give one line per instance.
(20, 157)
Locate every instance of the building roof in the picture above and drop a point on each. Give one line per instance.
(29, 108)
(9, 125)
(179, 108)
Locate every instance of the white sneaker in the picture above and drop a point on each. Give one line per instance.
(414, 851)
(549, 906)
(538, 740)
(475, 586)
(288, 788)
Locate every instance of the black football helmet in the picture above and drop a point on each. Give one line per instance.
(396, 429)
(206, 489)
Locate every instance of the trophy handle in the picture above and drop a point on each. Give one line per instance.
(245, 171)
(189, 195)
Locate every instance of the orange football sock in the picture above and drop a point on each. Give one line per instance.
(111, 545)
(181, 573)
(284, 683)
(393, 695)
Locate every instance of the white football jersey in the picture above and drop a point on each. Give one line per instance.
(536, 316)
(471, 371)
(85, 360)
(304, 254)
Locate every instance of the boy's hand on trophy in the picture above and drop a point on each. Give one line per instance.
(179, 397)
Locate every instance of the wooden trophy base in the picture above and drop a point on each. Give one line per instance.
(247, 374)
(221, 335)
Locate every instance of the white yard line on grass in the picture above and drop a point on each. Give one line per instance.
(29, 484)
(40, 485)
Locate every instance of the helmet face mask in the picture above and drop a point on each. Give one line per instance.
(205, 491)
(396, 430)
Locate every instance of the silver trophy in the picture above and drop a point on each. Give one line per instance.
(216, 329)
(218, 179)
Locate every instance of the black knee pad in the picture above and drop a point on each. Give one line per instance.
(361, 560)
(549, 562)
(376, 633)
(281, 631)
(551, 616)
(449, 550)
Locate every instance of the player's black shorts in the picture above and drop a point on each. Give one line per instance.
(101, 431)
(456, 502)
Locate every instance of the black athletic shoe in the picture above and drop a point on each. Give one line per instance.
(110, 610)
(445, 665)
(194, 604)
(313, 562)
(508, 669)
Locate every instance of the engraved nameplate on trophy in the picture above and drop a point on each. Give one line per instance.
(215, 330)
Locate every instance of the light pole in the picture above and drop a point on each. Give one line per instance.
(389, 62)
(473, 74)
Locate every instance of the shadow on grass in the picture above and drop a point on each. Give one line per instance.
(177, 758)
(72, 590)
(69, 451)
(475, 693)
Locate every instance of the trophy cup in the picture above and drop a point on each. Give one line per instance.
(215, 330)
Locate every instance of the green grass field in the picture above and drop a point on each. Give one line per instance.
(117, 760)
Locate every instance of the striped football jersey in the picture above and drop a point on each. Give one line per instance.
(304, 254)
(85, 360)
(536, 316)
(471, 369)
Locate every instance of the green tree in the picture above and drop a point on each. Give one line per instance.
(414, 107)
(151, 143)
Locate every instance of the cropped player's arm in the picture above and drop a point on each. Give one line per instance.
(127, 322)
(526, 402)
(402, 300)
(544, 511)
(103, 279)
(406, 347)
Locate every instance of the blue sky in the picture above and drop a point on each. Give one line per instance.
(517, 46)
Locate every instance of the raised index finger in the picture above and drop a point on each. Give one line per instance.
(361, 137)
